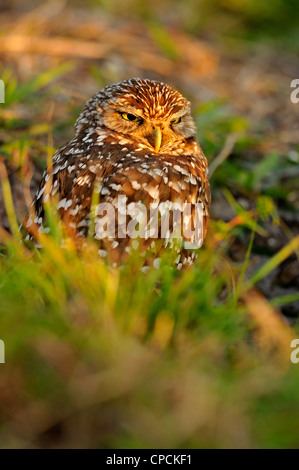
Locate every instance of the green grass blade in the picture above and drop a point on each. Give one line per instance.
(275, 261)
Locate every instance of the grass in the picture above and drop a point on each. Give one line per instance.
(108, 358)
(132, 360)
(100, 357)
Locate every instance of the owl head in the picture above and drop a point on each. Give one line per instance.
(145, 112)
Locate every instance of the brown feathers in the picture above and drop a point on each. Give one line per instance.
(135, 143)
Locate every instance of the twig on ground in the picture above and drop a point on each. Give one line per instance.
(224, 153)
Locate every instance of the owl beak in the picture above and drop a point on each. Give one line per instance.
(157, 138)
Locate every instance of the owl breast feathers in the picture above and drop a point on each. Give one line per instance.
(134, 170)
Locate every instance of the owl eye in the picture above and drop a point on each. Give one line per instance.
(176, 121)
(130, 117)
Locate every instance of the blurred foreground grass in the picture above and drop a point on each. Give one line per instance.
(100, 357)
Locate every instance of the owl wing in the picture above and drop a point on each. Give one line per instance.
(72, 164)
(111, 177)
(143, 188)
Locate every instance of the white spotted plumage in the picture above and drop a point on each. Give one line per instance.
(116, 155)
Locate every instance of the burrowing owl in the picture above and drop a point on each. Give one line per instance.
(135, 143)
